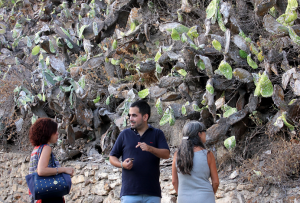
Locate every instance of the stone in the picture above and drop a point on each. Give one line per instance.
(293, 190)
(89, 199)
(292, 199)
(259, 190)
(156, 92)
(76, 195)
(3, 184)
(116, 183)
(85, 190)
(95, 167)
(222, 153)
(92, 172)
(22, 189)
(100, 189)
(78, 201)
(78, 167)
(219, 194)
(78, 179)
(102, 176)
(230, 197)
(216, 131)
(234, 174)
(230, 187)
(240, 197)
(17, 196)
(117, 191)
(98, 199)
(113, 176)
(110, 199)
(275, 193)
(249, 187)
(14, 188)
(86, 173)
(166, 81)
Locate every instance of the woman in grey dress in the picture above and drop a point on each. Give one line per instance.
(192, 167)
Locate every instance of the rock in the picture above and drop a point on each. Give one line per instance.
(253, 102)
(108, 139)
(170, 97)
(242, 75)
(147, 67)
(240, 128)
(262, 7)
(236, 117)
(100, 189)
(234, 174)
(156, 92)
(272, 129)
(293, 111)
(102, 176)
(113, 177)
(167, 26)
(248, 187)
(222, 154)
(216, 131)
(116, 192)
(110, 69)
(271, 25)
(166, 81)
(278, 98)
(78, 179)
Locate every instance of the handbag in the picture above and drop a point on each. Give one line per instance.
(43, 187)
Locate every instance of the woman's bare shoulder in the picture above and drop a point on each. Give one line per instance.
(210, 156)
(47, 148)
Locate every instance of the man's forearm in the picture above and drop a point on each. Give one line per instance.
(160, 153)
(114, 161)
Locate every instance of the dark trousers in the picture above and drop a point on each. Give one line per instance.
(54, 200)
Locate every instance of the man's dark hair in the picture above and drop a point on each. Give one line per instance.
(143, 106)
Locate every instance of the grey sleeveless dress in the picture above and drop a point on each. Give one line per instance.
(196, 188)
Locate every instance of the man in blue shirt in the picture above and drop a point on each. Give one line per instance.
(141, 148)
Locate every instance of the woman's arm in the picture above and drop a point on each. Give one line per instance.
(174, 173)
(44, 170)
(213, 171)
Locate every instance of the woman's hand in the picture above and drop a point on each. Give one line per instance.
(69, 170)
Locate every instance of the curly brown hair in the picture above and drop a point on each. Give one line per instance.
(41, 131)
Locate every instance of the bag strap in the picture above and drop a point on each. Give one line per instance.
(39, 152)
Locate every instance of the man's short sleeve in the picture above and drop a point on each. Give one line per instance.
(117, 149)
(162, 142)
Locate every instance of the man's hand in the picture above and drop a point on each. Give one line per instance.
(160, 153)
(144, 146)
(127, 164)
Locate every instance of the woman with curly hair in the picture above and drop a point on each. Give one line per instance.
(44, 132)
(193, 165)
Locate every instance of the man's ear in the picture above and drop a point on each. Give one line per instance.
(145, 117)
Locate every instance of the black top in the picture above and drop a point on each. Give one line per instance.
(143, 178)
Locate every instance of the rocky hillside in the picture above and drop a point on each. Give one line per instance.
(233, 65)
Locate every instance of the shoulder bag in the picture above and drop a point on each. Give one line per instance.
(43, 187)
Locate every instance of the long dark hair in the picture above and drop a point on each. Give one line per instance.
(185, 152)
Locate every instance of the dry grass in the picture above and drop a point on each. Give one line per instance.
(279, 165)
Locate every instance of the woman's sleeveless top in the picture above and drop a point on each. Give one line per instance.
(34, 162)
(196, 187)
